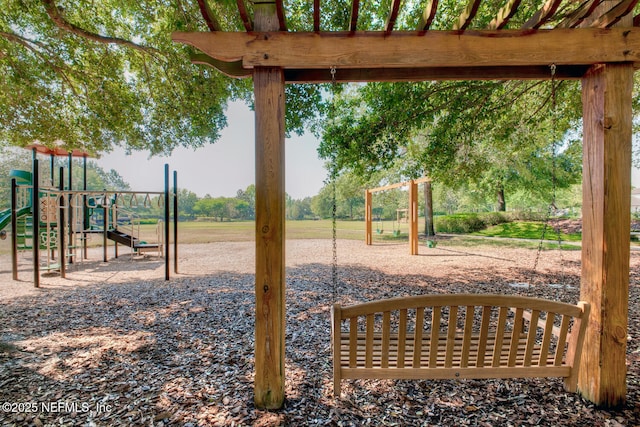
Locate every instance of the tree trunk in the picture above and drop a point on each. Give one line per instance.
(428, 210)
(502, 204)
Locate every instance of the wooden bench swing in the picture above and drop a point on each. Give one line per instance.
(478, 336)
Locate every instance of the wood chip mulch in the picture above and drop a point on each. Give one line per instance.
(147, 352)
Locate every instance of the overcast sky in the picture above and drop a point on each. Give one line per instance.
(223, 168)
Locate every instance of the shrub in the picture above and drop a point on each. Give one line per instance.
(469, 223)
(461, 223)
(494, 218)
(528, 215)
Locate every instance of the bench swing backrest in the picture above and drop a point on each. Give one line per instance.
(458, 336)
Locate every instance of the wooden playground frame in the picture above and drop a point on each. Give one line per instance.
(412, 212)
(595, 42)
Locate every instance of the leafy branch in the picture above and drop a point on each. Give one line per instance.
(62, 23)
(36, 48)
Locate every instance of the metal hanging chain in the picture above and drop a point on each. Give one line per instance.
(334, 227)
(552, 206)
(554, 165)
(554, 147)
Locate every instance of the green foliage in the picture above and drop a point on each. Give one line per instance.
(482, 136)
(186, 202)
(527, 230)
(469, 222)
(96, 75)
(460, 223)
(494, 218)
(299, 209)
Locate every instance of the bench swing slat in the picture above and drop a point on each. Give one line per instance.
(515, 337)
(482, 337)
(497, 346)
(419, 338)
(546, 339)
(353, 342)
(434, 340)
(369, 342)
(451, 335)
(531, 338)
(468, 331)
(402, 337)
(386, 338)
(562, 339)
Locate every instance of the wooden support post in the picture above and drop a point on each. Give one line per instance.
(413, 217)
(270, 222)
(270, 238)
(606, 193)
(368, 196)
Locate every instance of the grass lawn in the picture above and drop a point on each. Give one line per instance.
(520, 234)
(527, 230)
(239, 231)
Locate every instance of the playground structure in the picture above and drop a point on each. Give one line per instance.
(56, 223)
(409, 215)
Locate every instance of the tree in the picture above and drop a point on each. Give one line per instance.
(186, 203)
(299, 209)
(248, 196)
(490, 134)
(350, 192)
(322, 203)
(220, 208)
(203, 207)
(96, 75)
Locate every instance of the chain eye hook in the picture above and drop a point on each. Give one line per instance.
(333, 74)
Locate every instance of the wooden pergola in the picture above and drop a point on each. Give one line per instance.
(594, 41)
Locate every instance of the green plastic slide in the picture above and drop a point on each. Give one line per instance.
(5, 216)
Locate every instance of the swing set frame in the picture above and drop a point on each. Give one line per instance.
(412, 211)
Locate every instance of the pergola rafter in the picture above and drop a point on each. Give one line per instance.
(596, 41)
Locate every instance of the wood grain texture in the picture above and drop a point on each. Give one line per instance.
(543, 15)
(500, 341)
(606, 185)
(270, 242)
(268, 86)
(309, 50)
(504, 15)
(427, 15)
(368, 217)
(393, 15)
(467, 15)
(413, 217)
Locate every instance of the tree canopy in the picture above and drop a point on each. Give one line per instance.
(100, 75)
(494, 134)
(97, 75)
